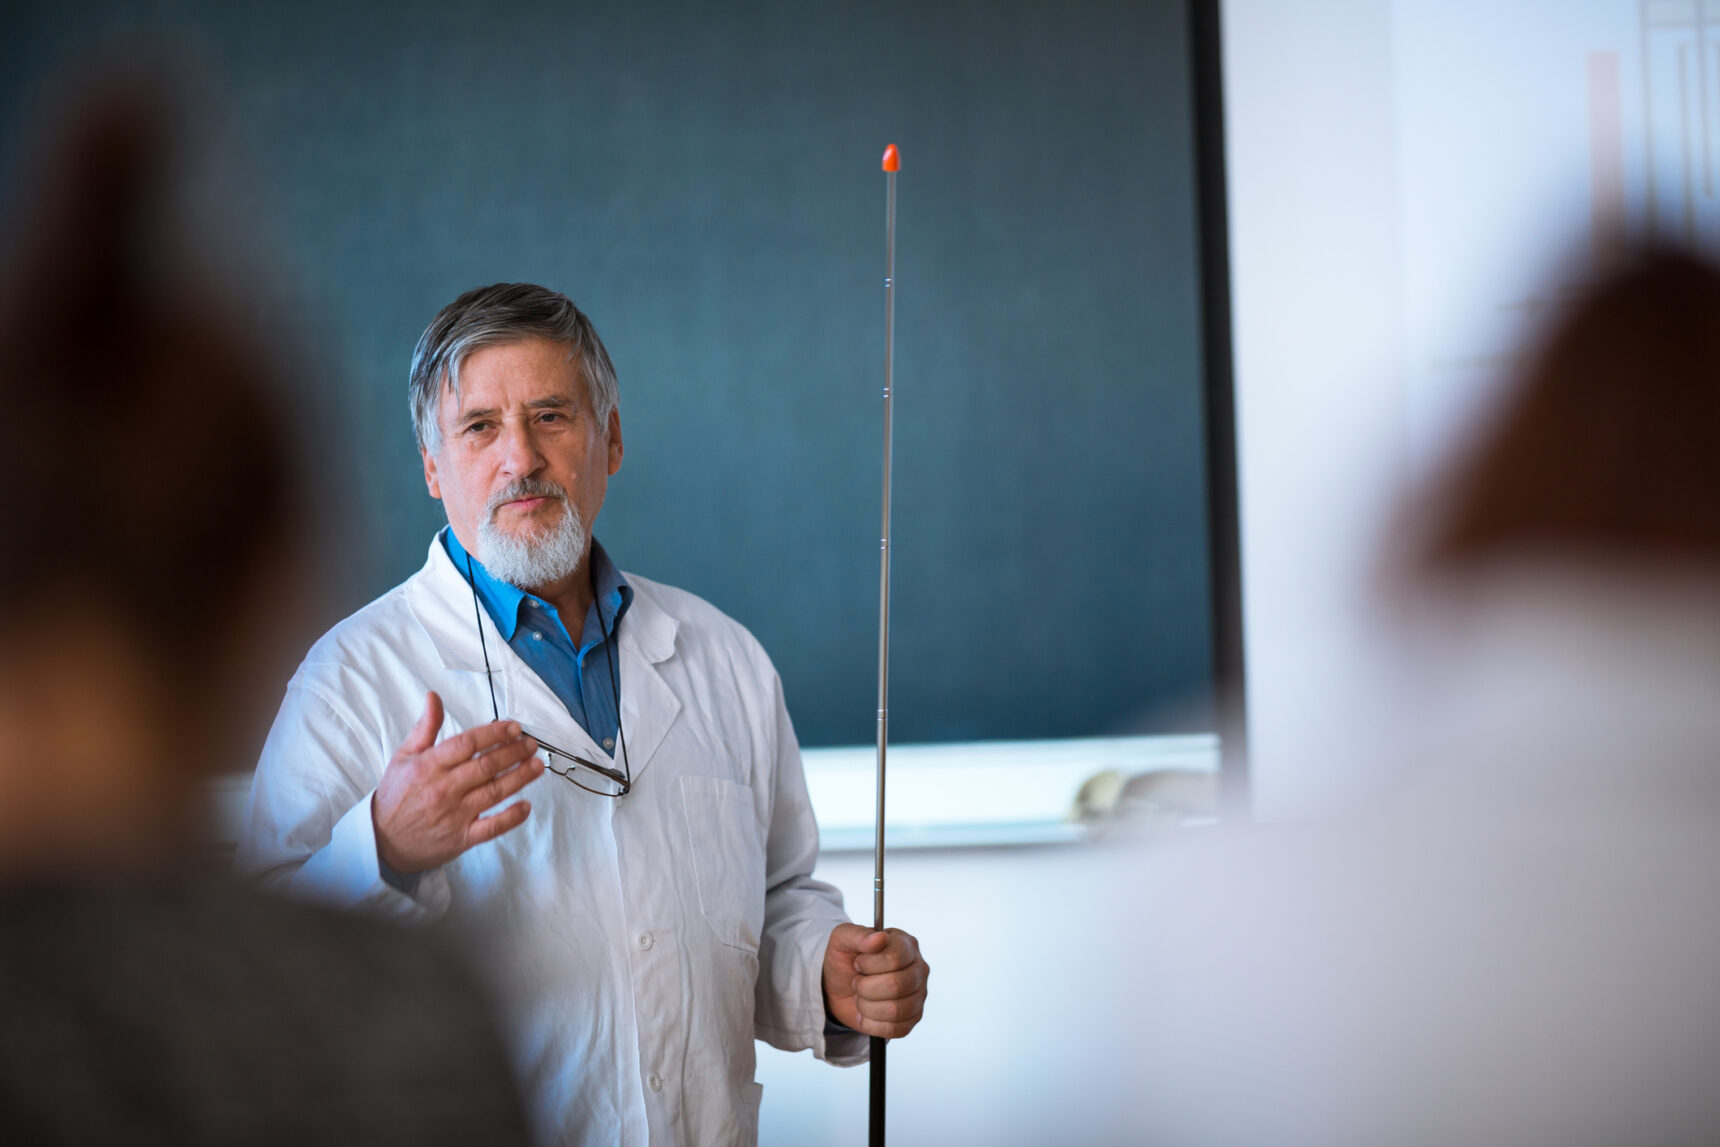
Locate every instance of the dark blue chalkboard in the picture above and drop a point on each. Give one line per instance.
(703, 179)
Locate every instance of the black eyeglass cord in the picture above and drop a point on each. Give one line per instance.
(615, 683)
(489, 675)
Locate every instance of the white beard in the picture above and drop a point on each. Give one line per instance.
(532, 562)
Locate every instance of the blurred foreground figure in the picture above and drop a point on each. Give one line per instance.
(148, 503)
(1520, 944)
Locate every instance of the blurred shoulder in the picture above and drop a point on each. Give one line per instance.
(386, 622)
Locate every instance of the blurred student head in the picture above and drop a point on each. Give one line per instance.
(146, 498)
(1516, 942)
(1608, 450)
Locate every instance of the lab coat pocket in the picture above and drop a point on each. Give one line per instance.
(751, 1095)
(728, 858)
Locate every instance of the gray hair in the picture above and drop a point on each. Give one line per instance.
(491, 316)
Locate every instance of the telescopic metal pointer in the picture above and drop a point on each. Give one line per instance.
(892, 163)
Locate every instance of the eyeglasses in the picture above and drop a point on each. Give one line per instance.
(603, 780)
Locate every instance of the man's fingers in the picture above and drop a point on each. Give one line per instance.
(893, 986)
(465, 745)
(856, 940)
(889, 960)
(887, 1028)
(900, 951)
(903, 1011)
(879, 977)
(504, 785)
(479, 771)
(423, 734)
(489, 827)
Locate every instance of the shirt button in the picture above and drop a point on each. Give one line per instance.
(609, 742)
(536, 636)
(646, 940)
(656, 1082)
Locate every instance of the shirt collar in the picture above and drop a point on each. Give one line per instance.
(503, 601)
(614, 595)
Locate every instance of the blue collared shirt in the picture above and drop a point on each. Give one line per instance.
(580, 673)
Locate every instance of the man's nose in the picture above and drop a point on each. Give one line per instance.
(521, 457)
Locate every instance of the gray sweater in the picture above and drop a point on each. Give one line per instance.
(181, 1011)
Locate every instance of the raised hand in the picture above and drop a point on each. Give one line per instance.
(429, 807)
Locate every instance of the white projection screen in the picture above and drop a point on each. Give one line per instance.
(1413, 185)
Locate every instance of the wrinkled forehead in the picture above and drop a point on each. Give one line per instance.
(512, 375)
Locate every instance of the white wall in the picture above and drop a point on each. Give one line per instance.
(1004, 1054)
(1309, 123)
(1413, 184)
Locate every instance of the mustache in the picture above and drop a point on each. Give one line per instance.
(523, 488)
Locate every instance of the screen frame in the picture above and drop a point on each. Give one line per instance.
(1224, 544)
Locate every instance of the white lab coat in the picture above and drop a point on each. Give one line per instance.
(637, 945)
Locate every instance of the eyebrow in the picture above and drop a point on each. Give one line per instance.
(552, 402)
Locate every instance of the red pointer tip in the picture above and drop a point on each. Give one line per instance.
(892, 159)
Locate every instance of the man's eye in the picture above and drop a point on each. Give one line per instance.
(477, 427)
(552, 416)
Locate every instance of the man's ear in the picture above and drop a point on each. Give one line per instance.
(615, 449)
(430, 481)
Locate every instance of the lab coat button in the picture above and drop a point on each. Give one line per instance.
(646, 940)
(656, 1082)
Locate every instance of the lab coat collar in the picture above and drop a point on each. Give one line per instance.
(441, 603)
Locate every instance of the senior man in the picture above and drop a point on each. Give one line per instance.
(651, 907)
